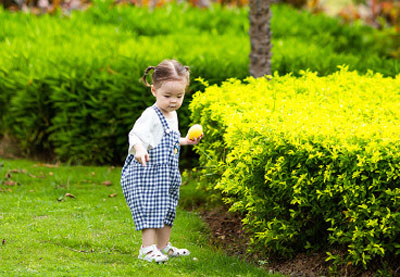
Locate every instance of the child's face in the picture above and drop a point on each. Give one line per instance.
(169, 96)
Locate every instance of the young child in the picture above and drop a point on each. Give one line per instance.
(150, 178)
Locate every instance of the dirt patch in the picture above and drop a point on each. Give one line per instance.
(227, 234)
(226, 231)
(8, 148)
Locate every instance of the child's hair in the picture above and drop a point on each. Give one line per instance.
(167, 70)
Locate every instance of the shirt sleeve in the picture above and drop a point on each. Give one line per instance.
(142, 131)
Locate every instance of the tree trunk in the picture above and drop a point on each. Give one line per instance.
(260, 37)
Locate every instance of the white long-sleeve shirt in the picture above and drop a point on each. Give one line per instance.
(148, 130)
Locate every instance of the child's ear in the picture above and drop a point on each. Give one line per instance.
(153, 90)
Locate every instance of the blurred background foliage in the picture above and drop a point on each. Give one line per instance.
(379, 13)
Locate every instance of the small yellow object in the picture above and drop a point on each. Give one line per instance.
(176, 150)
(195, 131)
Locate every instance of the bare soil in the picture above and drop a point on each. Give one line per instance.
(8, 148)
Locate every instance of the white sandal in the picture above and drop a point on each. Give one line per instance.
(174, 252)
(151, 253)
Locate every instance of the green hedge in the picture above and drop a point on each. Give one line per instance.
(69, 85)
(83, 105)
(311, 163)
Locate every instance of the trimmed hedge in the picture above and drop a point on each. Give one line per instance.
(70, 85)
(311, 162)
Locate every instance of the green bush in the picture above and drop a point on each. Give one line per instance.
(30, 113)
(310, 162)
(81, 102)
(170, 19)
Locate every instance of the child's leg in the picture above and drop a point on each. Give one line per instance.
(148, 237)
(163, 235)
(149, 251)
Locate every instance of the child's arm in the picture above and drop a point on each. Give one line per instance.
(142, 156)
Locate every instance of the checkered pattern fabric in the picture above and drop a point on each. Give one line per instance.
(152, 191)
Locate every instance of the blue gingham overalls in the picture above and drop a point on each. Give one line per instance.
(152, 191)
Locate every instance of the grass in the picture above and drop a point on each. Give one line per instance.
(45, 232)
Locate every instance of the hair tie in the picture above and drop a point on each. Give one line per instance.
(148, 69)
(146, 72)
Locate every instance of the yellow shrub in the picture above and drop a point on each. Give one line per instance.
(308, 161)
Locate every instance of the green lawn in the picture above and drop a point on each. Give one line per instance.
(44, 232)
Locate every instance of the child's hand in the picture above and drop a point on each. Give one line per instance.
(142, 156)
(187, 141)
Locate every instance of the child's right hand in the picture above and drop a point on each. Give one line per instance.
(142, 156)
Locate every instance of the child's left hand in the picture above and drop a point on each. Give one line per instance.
(187, 141)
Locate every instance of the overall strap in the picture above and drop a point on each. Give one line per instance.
(164, 122)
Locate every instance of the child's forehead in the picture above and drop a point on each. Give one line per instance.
(173, 86)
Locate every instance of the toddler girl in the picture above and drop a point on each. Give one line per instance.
(150, 177)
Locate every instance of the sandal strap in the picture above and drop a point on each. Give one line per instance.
(153, 249)
(152, 253)
(146, 250)
(167, 248)
(175, 251)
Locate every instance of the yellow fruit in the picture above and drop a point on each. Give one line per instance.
(195, 131)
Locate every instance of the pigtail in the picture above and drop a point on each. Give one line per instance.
(146, 72)
(187, 74)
